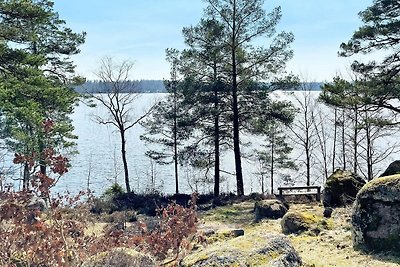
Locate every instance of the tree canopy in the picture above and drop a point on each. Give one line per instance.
(381, 31)
(36, 77)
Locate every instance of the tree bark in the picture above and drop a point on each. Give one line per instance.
(334, 141)
(308, 163)
(124, 160)
(272, 160)
(355, 140)
(42, 162)
(369, 150)
(216, 145)
(175, 134)
(25, 182)
(343, 142)
(235, 109)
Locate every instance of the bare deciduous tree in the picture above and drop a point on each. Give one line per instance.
(115, 77)
(304, 132)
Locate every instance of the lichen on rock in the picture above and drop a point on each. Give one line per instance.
(255, 249)
(122, 257)
(269, 208)
(341, 188)
(296, 222)
(376, 215)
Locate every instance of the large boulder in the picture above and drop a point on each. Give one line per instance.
(376, 215)
(255, 249)
(270, 209)
(341, 188)
(296, 222)
(122, 257)
(393, 168)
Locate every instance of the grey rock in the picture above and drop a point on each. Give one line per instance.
(393, 168)
(328, 212)
(341, 188)
(237, 232)
(376, 215)
(281, 245)
(268, 249)
(270, 209)
(121, 257)
(297, 222)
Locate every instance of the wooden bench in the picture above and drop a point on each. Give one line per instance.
(301, 190)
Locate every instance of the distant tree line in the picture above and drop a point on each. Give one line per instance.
(131, 86)
(149, 86)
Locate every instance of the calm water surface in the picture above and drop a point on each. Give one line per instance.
(99, 164)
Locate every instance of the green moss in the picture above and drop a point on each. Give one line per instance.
(260, 260)
(236, 213)
(243, 249)
(392, 182)
(222, 235)
(309, 218)
(383, 189)
(305, 222)
(338, 175)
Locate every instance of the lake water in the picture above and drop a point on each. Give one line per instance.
(99, 157)
(98, 164)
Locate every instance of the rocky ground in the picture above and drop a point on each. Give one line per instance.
(331, 247)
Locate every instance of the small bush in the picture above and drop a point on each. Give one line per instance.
(113, 191)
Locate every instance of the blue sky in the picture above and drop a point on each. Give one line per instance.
(141, 30)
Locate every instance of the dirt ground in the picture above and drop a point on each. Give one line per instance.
(331, 247)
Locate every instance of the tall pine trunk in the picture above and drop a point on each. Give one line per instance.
(175, 137)
(216, 143)
(217, 160)
(334, 140)
(42, 161)
(343, 141)
(235, 109)
(236, 138)
(272, 160)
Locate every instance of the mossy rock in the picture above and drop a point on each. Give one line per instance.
(393, 168)
(341, 188)
(270, 209)
(255, 249)
(296, 222)
(225, 235)
(122, 257)
(376, 215)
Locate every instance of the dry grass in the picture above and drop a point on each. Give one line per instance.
(331, 247)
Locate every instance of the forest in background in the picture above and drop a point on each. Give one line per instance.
(147, 86)
(141, 86)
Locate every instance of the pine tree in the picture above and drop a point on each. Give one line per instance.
(206, 95)
(276, 150)
(244, 21)
(380, 31)
(37, 77)
(166, 127)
